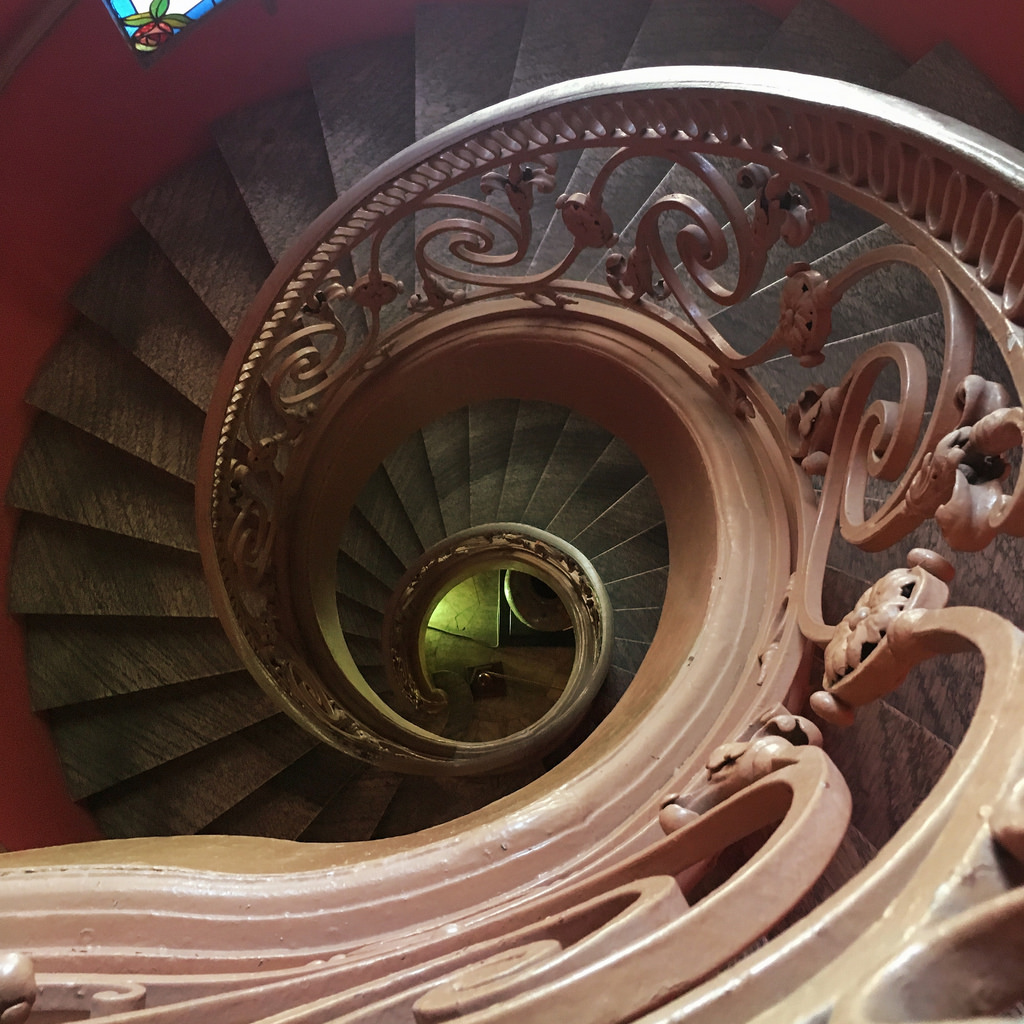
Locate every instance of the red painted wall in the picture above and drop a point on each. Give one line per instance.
(85, 130)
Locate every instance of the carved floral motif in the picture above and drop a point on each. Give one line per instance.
(860, 664)
(960, 481)
(811, 423)
(805, 314)
(775, 742)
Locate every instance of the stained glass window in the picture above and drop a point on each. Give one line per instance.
(151, 24)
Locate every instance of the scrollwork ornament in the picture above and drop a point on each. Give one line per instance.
(250, 535)
(775, 742)
(587, 221)
(861, 663)
(733, 392)
(811, 423)
(805, 314)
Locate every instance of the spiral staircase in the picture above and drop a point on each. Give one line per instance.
(158, 723)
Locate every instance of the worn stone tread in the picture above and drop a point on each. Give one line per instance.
(491, 430)
(107, 741)
(183, 795)
(66, 473)
(201, 222)
(447, 445)
(276, 154)
(137, 295)
(92, 382)
(286, 804)
(580, 445)
(64, 568)
(79, 658)
(819, 39)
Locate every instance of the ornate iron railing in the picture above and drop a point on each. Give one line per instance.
(599, 865)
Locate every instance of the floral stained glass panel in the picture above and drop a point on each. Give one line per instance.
(150, 24)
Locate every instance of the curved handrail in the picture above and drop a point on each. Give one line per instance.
(894, 158)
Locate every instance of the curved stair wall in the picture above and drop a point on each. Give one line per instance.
(107, 490)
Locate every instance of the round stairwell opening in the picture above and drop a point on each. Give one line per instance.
(461, 664)
(500, 643)
(502, 665)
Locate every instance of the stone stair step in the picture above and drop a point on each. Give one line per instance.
(465, 58)
(538, 427)
(636, 624)
(886, 789)
(200, 221)
(615, 472)
(447, 445)
(68, 474)
(422, 801)
(360, 585)
(784, 378)
(638, 554)
(491, 430)
(637, 510)
(63, 568)
(73, 659)
(819, 39)
(183, 795)
(364, 545)
(353, 815)
(673, 32)
(945, 80)
(107, 741)
(276, 154)
(628, 186)
(365, 652)
(628, 655)
(590, 266)
(380, 504)
(137, 295)
(408, 469)
(700, 32)
(564, 39)
(285, 805)
(641, 591)
(93, 383)
(358, 620)
(897, 293)
(365, 96)
(577, 450)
